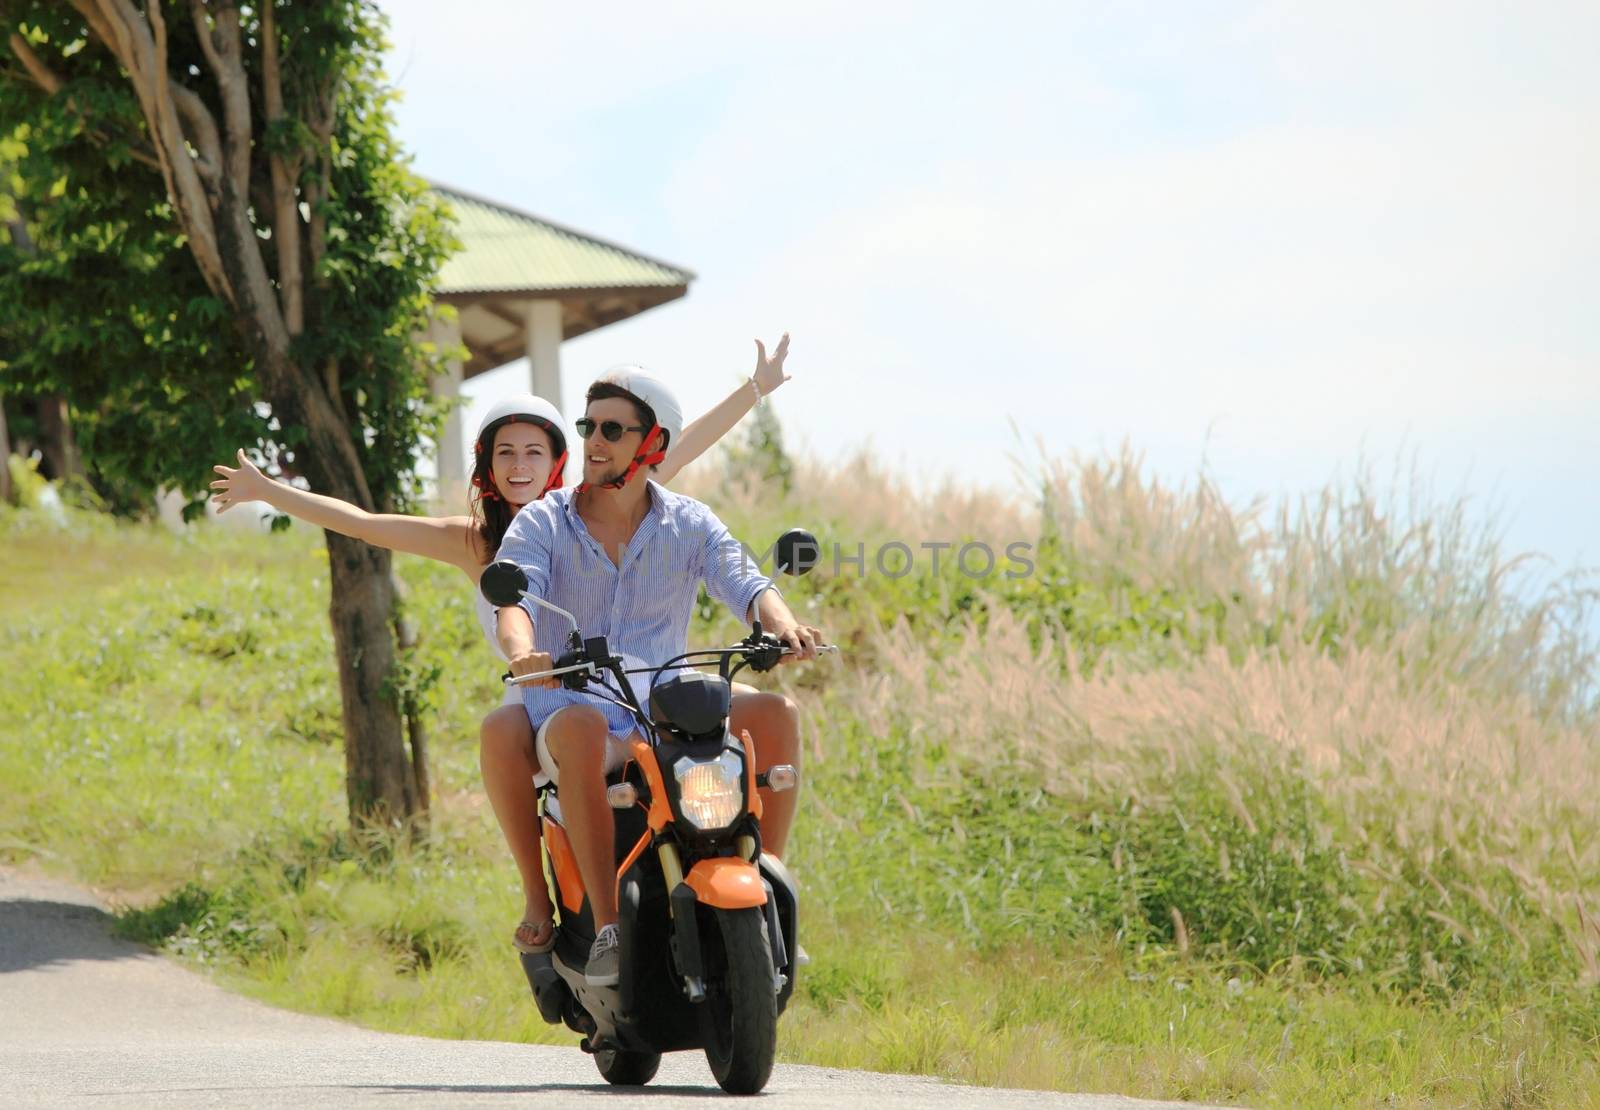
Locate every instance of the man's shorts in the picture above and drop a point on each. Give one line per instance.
(617, 748)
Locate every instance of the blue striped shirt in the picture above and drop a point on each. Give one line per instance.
(642, 606)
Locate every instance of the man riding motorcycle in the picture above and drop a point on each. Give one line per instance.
(625, 556)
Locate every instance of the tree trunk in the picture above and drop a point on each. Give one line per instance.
(56, 443)
(417, 733)
(407, 636)
(7, 494)
(380, 777)
(379, 780)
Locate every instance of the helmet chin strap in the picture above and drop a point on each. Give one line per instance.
(557, 474)
(645, 457)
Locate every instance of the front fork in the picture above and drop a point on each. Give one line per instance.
(686, 955)
(687, 951)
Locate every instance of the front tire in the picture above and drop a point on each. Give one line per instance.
(740, 1013)
(627, 1069)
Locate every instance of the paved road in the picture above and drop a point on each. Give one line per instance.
(88, 1020)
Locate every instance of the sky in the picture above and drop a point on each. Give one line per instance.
(1260, 241)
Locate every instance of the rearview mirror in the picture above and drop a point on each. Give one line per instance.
(796, 551)
(503, 582)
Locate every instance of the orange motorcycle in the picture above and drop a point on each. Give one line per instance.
(708, 921)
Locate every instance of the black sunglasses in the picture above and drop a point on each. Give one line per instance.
(611, 429)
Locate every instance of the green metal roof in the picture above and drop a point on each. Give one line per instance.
(504, 250)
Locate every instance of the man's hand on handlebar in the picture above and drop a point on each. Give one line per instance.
(801, 640)
(779, 620)
(531, 661)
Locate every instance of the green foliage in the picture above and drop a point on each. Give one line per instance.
(1192, 870)
(990, 883)
(101, 300)
(202, 664)
(279, 892)
(26, 482)
(187, 908)
(757, 453)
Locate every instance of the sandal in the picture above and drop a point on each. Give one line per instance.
(532, 948)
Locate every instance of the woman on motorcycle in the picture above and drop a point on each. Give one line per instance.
(519, 456)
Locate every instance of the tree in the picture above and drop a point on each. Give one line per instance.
(7, 494)
(760, 451)
(227, 248)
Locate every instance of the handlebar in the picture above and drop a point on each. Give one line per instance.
(752, 652)
(587, 669)
(588, 659)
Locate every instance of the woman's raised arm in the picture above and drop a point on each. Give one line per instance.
(699, 436)
(446, 539)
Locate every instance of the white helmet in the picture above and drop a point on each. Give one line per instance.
(653, 392)
(523, 408)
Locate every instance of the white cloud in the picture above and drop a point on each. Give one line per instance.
(1308, 265)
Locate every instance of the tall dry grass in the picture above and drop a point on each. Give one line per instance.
(1354, 704)
(1481, 813)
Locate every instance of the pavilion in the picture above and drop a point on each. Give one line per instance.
(522, 284)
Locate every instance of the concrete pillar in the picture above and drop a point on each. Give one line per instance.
(450, 452)
(544, 350)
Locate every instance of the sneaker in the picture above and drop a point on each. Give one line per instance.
(605, 959)
(802, 958)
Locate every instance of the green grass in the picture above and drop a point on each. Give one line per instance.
(1152, 822)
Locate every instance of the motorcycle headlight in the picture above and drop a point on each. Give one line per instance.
(711, 794)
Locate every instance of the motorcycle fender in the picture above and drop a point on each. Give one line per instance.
(569, 881)
(727, 884)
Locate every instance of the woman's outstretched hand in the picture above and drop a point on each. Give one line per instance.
(769, 373)
(238, 485)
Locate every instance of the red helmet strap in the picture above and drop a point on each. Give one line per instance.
(645, 457)
(557, 474)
